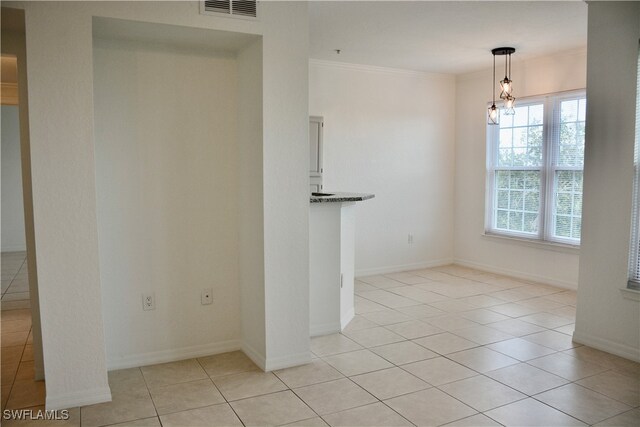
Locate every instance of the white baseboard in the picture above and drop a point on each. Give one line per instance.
(252, 354)
(622, 350)
(273, 363)
(402, 267)
(518, 274)
(324, 329)
(173, 355)
(77, 398)
(348, 318)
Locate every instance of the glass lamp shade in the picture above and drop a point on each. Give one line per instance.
(506, 87)
(509, 104)
(493, 115)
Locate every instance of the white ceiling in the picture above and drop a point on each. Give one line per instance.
(442, 37)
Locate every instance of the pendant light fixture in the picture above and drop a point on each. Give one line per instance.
(506, 86)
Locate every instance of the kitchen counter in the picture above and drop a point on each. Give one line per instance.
(340, 197)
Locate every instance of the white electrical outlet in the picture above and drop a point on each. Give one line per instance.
(149, 301)
(206, 297)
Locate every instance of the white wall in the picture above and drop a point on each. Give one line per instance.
(13, 237)
(546, 264)
(391, 133)
(251, 200)
(605, 318)
(166, 161)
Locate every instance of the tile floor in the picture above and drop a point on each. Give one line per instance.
(19, 390)
(442, 346)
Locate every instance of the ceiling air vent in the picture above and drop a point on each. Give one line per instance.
(234, 8)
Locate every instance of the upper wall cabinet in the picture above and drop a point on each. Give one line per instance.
(315, 141)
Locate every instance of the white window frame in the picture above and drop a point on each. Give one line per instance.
(634, 250)
(551, 123)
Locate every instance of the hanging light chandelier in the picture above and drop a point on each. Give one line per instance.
(506, 86)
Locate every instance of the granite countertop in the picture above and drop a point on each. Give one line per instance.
(340, 197)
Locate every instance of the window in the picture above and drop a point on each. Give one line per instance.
(634, 259)
(535, 159)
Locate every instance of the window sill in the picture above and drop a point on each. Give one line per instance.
(632, 294)
(534, 243)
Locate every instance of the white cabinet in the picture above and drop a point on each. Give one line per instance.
(316, 125)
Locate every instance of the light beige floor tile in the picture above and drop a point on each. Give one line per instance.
(477, 420)
(482, 359)
(311, 422)
(582, 403)
(15, 305)
(450, 322)
(482, 334)
(622, 387)
(312, 373)
(406, 278)
(273, 409)
(432, 274)
(530, 412)
(552, 339)
(173, 373)
(184, 396)
(482, 393)
(360, 287)
(567, 329)
(602, 358)
(11, 355)
(566, 297)
(380, 281)
(333, 344)
(15, 296)
(513, 309)
(359, 322)
(126, 379)
(483, 316)
(8, 373)
(445, 343)
(422, 311)
(546, 320)
(357, 362)
(627, 419)
(511, 295)
(389, 383)
(26, 371)
(483, 301)
(430, 407)
(526, 379)
(248, 384)
(125, 406)
(418, 294)
(439, 371)
(376, 414)
(566, 366)
(540, 290)
(387, 317)
(230, 363)
(217, 415)
(403, 352)
(516, 327)
(541, 304)
(16, 325)
(452, 306)
(11, 339)
(334, 396)
(145, 422)
(373, 337)
(414, 329)
(567, 311)
(520, 349)
(388, 299)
